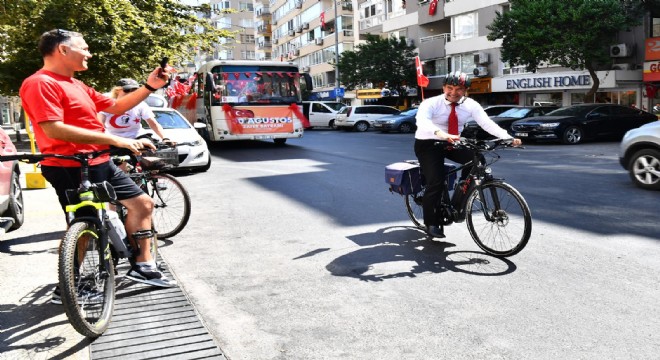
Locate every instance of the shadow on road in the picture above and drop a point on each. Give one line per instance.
(396, 252)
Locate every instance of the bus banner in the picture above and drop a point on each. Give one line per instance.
(258, 120)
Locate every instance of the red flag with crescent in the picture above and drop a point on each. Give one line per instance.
(433, 7)
(422, 80)
(322, 20)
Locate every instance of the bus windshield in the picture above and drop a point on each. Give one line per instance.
(256, 84)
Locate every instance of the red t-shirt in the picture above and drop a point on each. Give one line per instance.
(47, 96)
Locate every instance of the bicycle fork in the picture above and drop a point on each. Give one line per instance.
(485, 208)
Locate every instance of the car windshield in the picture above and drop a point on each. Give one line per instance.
(571, 111)
(169, 120)
(515, 113)
(335, 105)
(410, 112)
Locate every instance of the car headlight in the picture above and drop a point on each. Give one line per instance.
(549, 125)
(390, 121)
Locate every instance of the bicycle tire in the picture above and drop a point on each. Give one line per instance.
(171, 204)
(83, 278)
(511, 228)
(415, 209)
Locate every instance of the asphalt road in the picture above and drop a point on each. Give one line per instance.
(300, 252)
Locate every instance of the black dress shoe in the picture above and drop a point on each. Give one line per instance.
(435, 231)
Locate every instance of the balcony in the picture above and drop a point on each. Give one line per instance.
(433, 47)
(264, 44)
(263, 29)
(262, 11)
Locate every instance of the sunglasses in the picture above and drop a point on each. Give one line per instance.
(129, 90)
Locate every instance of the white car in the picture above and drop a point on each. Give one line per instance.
(640, 155)
(179, 130)
(361, 118)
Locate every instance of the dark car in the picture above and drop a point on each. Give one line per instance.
(11, 194)
(574, 124)
(504, 120)
(403, 122)
(494, 110)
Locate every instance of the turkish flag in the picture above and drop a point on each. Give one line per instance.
(422, 80)
(433, 7)
(322, 20)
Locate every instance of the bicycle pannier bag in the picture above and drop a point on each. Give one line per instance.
(403, 178)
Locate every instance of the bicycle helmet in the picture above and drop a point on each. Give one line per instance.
(458, 78)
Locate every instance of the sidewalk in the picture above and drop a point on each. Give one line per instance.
(148, 322)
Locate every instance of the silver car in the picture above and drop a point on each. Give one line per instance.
(640, 155)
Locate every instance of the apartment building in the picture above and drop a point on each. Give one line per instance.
(450, 35)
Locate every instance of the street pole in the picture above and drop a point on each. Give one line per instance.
(337, 98)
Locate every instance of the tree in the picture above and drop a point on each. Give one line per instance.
(379, 61)
(571, 33)
(126, 37)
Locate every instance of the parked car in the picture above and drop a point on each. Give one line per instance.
(403, 122)
(640, 155)
(494, 110)
(574, 124)
(11, 195)
(178, 129)
(322, 113)
(361, 118)
(504, 120)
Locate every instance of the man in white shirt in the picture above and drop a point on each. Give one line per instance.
(441, 118)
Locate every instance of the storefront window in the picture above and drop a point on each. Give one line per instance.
(626, 98)
(544, 99)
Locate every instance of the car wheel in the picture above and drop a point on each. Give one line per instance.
(332, 125)
(361, 126)
(406, 128)
(644, 169)
(15, 209)
(572, 135)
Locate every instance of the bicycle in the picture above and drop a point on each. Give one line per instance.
(498, 217)
(172, 203)
(87, 253)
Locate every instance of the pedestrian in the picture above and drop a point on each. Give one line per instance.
(656, 108)
(63, 113)
(441, 118)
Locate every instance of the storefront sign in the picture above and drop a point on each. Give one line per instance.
(369, 94)
(651, 71)
(548, 82)
(480, 86)
(328, 94)
(652, 49)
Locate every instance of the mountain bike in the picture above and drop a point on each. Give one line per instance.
(87, 253)
(171, 199)
(497, 216)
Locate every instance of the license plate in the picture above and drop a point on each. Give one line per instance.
(263, 137)
(378, 125)
(522, 134)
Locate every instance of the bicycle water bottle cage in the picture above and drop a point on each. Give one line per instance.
(143, 234)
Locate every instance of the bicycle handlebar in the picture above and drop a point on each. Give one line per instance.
(478, 145)
(79, 157)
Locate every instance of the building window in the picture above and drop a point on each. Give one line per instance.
(464, 26)
(245, 6)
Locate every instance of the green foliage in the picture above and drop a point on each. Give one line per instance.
(379, 61)
(571, 33)
(126, 37)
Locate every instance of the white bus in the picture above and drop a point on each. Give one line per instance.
(246, 100)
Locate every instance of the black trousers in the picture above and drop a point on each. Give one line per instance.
(432, 162)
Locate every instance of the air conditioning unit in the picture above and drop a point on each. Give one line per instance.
(481, 58)
(624, 66)
(296, 52)
(347, 5)
(292, 32)
(299, 28)
(620, 50)
(480, 71)
(305, 25)
(298, 4)
(348, 32)
(305, 69)
(318, 41)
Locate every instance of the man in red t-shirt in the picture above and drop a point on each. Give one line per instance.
(63, 113)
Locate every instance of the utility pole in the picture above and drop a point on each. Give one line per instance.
(337, 97)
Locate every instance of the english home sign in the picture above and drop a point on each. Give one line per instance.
(548, 81)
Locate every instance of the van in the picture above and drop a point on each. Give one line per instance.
(322, 113)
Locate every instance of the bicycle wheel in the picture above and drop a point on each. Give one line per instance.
(415, 210)
(87, 284)
(171, 204)
(510, 226)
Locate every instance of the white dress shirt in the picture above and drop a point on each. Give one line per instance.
(433, 115)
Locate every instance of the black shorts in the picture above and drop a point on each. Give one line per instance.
(63, 178)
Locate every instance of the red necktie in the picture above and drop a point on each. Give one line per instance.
(453, 120)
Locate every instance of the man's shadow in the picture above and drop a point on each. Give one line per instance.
(387, 253)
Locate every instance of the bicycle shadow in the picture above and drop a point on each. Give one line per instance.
(31, 326)
(385, 253)
(6, 245)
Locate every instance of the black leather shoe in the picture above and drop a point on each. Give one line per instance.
(435, 231)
